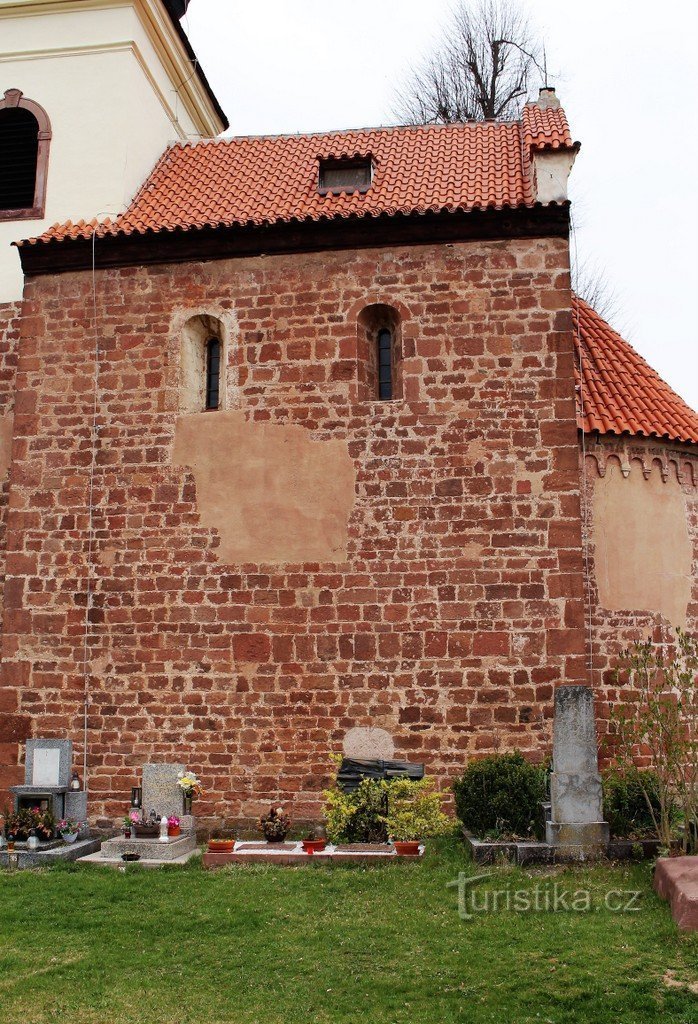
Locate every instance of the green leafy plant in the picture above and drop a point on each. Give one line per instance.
(68, 826)
(625, 795)
(356, 817)
(414, 810)
(30, 819)
(658, 722)
(500, 795)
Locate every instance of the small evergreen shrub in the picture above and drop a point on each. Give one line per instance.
(500, 795)
(625, 803)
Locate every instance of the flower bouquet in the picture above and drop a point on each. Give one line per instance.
(68, 829)
(191, 788)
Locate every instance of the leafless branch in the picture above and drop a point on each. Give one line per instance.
(482, 68)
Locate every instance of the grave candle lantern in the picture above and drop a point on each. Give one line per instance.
(136, 796)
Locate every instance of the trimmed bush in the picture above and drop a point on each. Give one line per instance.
(625, 805)
(499, 796)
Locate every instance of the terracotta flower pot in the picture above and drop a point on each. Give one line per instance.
(314, 845)
(174, 830)
(221, 845)
(406, 849)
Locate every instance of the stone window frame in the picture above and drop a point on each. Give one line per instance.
(15, 98)
(371, 320)
(195, 332)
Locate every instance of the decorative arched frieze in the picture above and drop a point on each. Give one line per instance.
(648, 459)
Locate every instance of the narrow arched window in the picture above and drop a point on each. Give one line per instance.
(385, 364)
(19, 148)
(213, 373)
(25, 135)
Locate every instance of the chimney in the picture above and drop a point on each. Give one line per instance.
(547, 100)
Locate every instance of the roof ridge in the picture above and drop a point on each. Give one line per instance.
(361, 130)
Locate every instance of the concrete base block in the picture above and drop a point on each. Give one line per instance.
(578, 841)
(120, 865)
(46, 857)
(149, 849)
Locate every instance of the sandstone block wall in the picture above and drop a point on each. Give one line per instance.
(12, 726)
(305, 563)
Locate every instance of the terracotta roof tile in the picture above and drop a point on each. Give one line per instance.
(619, 392)
(267, 179)
(546, 128)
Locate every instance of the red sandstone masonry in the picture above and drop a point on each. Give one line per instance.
(12, 726)
(459, 605)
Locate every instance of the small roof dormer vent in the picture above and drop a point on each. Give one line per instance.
(345, 174)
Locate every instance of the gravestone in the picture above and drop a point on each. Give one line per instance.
(576, 827)
(160, 790)
(47, 770)
(48, 763)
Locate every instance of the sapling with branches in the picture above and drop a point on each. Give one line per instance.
(658, 723)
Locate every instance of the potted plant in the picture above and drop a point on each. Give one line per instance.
(68, 829)
(173, 826)
(28, 820)
(191, 788)
(275, 825)
(221, 841)
(145, 829)
(414, 814)
(314, 844)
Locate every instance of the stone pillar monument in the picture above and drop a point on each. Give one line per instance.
(576, 827)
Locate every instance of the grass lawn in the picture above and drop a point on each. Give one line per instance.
(250, 945)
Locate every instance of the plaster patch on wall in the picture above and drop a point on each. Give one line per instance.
(6, 425)
(273, 493)
(643, 554)
(369, 744)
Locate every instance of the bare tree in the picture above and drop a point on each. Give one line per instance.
(482, 68)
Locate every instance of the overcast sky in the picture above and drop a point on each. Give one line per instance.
(626, 75)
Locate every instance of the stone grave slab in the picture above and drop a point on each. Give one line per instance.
(149, 849)
(160, 790)
(576, 796)
(48, 763)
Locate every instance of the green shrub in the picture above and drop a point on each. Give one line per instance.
(625, 803)
(356, 817)
(414, 810)
(500, 795)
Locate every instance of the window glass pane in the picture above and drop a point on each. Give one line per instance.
(19, 149)
(345, 177)
(385, 369)
(213, 361)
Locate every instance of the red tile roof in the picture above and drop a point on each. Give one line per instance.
(268, 179)
(546, 128)
(619, 392)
